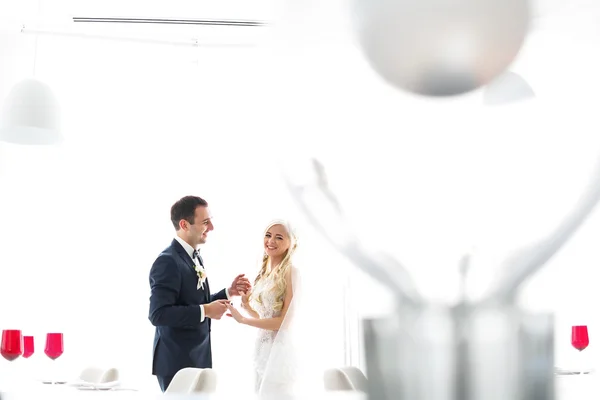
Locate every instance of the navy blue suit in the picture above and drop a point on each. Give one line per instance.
(180, 340)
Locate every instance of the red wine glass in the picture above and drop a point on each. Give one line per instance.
(579, 337)
(28, 346)
(54, 347)
(12, 344)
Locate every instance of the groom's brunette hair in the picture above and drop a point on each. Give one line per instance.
(185, 208)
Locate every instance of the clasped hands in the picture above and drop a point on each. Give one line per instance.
(239, 287)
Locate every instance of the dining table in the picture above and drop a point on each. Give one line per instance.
(567, 387)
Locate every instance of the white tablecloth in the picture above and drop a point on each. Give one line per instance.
(578, 387)
(70, 393)
(568, 387)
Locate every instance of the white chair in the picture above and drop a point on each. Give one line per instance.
(91, 374)
(97, 375)
(345, 379)
(193, 380)
(110, 375)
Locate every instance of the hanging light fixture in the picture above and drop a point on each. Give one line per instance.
(31, 113)
(440, 48)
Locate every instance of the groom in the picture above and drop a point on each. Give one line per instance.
(181, 305)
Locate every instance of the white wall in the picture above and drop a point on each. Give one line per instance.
(81, 224)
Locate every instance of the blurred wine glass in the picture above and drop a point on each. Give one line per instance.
(580, 339)
(11, 348)
(54, 347)
(12, 344)
(28, 346)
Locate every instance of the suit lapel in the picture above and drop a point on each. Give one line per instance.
(183, 255)
(206, 287)
(188, 260)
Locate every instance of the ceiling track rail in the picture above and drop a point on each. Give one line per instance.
(164, 21)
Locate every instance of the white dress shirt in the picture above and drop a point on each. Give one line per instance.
(190, 251)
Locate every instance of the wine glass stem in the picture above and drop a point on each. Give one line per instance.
(52, 372)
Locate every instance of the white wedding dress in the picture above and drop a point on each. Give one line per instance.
(287, 362)
(266, 339)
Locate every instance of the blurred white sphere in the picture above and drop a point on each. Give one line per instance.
(507, 88)
(440, 47)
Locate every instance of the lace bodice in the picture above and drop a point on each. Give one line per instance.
(264, 291)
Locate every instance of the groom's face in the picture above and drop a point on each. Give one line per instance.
(202, 225)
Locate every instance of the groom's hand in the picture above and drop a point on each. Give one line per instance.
(216, 309)
(240, 285)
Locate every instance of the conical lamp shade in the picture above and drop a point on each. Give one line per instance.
(31, 115)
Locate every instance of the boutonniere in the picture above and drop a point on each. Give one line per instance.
(201, 276)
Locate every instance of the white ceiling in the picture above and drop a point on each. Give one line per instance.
(559, 28)
(548, 14)
(230, 9)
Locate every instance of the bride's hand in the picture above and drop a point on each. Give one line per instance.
(246, 299)
(235, 314)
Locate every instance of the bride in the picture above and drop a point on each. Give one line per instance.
(270, 306)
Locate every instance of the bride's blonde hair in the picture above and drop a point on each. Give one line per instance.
(280, 285)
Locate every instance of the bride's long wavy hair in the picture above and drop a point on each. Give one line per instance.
(279, 271)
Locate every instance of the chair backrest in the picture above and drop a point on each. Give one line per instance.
(110, 375)
(356, 377)
(91, 374)
(193, 380)
(345, 378)
(99, 375)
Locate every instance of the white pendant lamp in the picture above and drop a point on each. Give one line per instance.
(439, 47)
(31, 115)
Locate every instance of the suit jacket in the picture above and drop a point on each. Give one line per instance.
(180, 340)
